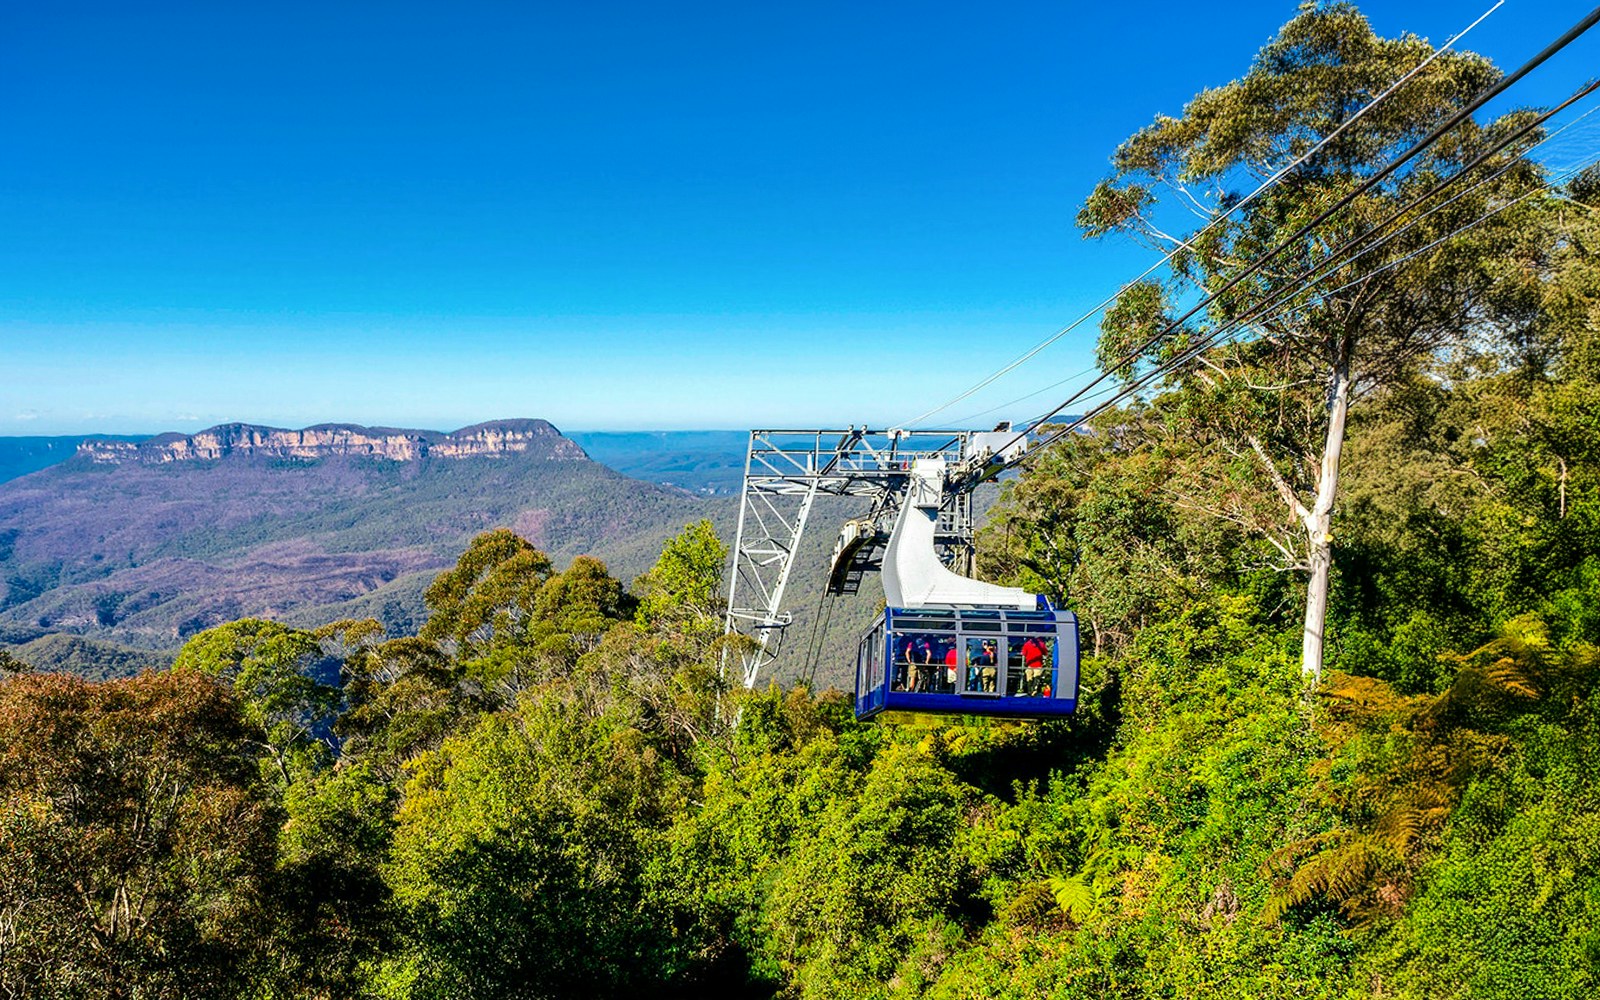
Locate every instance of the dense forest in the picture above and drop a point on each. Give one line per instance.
(549, 791)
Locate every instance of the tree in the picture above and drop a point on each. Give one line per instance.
(11, 665)
(487, 600)
(520, 856)
(136, 839)
(1088, 527)
(271, 668)
(685, 584)
(402, 697)
(1279, 398)
(1409, 759)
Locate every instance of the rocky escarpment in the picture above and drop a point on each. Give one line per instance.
(532, 438)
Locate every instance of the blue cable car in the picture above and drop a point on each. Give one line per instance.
(971, 661)
(948, 643)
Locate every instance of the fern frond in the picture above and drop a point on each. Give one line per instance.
(1513, 675)
(1337, 874)
(1074, 895)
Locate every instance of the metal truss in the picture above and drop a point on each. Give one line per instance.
(785, 472)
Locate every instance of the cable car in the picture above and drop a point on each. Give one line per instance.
(950, 644)
(972, 661)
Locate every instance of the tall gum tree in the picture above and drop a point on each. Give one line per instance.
(1275, 395)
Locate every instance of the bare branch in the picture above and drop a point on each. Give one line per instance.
(1285, 491)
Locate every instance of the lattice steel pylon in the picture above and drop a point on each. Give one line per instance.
(786, 471)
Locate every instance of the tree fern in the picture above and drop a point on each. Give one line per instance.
(1410, 758)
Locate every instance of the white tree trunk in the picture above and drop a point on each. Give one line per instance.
(1318, 521)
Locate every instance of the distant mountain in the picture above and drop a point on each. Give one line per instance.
(499, 438)
(95, 659)
(144, 543)
(705, 462)
(710, 463)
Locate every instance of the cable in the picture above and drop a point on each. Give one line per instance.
(1341, 255)
(812, 646)
(816, 660)
(1029, 355)
(1231, 330)
(1210, 341)
(1383, 174)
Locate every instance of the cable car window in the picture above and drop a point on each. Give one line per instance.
(983, 665)
(874, 653)
(918, 658)
(967, 626)
(1028, 666)
(924, 620)
(947, 666)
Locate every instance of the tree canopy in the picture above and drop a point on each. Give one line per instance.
(543, 793)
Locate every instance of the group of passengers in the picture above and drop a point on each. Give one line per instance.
(926, 663)
(930, 663)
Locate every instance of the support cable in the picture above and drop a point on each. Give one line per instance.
(1212, 340)
(808, 661)
(1346, 252)
(1344, 201)
(822, 639)
(1231, 330)
(1269, 182)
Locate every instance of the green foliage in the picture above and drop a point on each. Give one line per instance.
(334, 914)
(486, 600)
(402, 697)
(136, 842)
(11, 665)
(544, 794)
(92, 659)
(271, 668)
(519, 853)
(686, 582)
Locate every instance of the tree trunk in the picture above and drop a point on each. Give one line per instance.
(1318, 521)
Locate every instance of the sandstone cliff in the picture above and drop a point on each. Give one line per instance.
(532, 438)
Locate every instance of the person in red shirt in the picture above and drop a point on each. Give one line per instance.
(1033, 677)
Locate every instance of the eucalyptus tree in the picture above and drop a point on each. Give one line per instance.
(274, 670)
(1393, 290)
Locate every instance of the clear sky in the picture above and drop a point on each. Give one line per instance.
(610, 215)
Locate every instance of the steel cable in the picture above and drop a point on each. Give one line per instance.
(1269, 182)
(1498, 88)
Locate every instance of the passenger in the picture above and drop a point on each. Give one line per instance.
(952, 660)
(987, 661)
(921, 656)
(928, 660)
(902, 663)
(1033, 654)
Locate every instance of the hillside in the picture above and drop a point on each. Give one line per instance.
(94, 659)
(145, 544)
(192, 530)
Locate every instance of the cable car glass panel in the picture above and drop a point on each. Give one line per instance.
(983, 666)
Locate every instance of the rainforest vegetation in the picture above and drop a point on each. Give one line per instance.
(549, 791)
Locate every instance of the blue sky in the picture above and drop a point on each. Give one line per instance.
(609, 215)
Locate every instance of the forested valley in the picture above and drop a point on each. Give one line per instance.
(551, 791)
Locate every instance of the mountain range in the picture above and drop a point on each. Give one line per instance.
(710, 463)
(141, 543)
